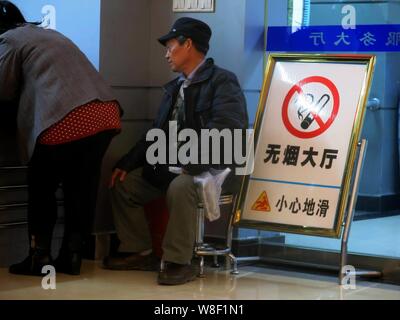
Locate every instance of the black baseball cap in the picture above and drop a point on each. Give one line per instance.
(197, 30)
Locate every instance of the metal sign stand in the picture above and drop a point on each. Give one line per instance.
(349, 219)
(362, 146)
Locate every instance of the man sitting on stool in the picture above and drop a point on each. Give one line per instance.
(204, 96)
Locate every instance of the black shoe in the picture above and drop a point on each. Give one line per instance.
(32, 265)
(69, 263)
(69, 259)
(174, 273)
(133, 261)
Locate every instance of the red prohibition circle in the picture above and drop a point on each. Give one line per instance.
(323, 125)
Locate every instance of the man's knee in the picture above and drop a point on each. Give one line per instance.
(182, 185)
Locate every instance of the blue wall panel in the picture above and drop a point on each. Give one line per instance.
(79, 20)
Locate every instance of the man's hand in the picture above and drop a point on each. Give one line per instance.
(117, 173)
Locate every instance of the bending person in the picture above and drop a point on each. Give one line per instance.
(66, 119)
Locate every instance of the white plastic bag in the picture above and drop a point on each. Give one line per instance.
(209, 187)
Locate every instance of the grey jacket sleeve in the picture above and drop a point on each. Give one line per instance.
(10, 71)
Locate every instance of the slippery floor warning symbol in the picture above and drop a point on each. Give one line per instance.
(262, 203)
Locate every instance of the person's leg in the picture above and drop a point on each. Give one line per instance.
(181, 229)
(180, 235)
(43, 181)
(82, 168)
(128, 198)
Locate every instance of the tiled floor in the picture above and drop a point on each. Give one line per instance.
(253, 283)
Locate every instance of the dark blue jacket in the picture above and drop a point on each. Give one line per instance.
(214, 100)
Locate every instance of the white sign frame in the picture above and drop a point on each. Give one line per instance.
(308, 124)
(188, 6)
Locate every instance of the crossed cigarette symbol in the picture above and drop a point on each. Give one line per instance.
(307, 105)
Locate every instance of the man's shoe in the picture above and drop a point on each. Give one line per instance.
(174, 273)
(134, 261)
(32, 265)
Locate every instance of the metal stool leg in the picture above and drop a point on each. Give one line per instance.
(229, 232)
(216, 264)
(200, 238)
(234, 261)
(200, 228)
(201, 273)
(162, 265)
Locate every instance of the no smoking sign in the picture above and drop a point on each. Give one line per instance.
(310, 107)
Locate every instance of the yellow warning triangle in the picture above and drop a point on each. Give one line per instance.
(262, 203)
